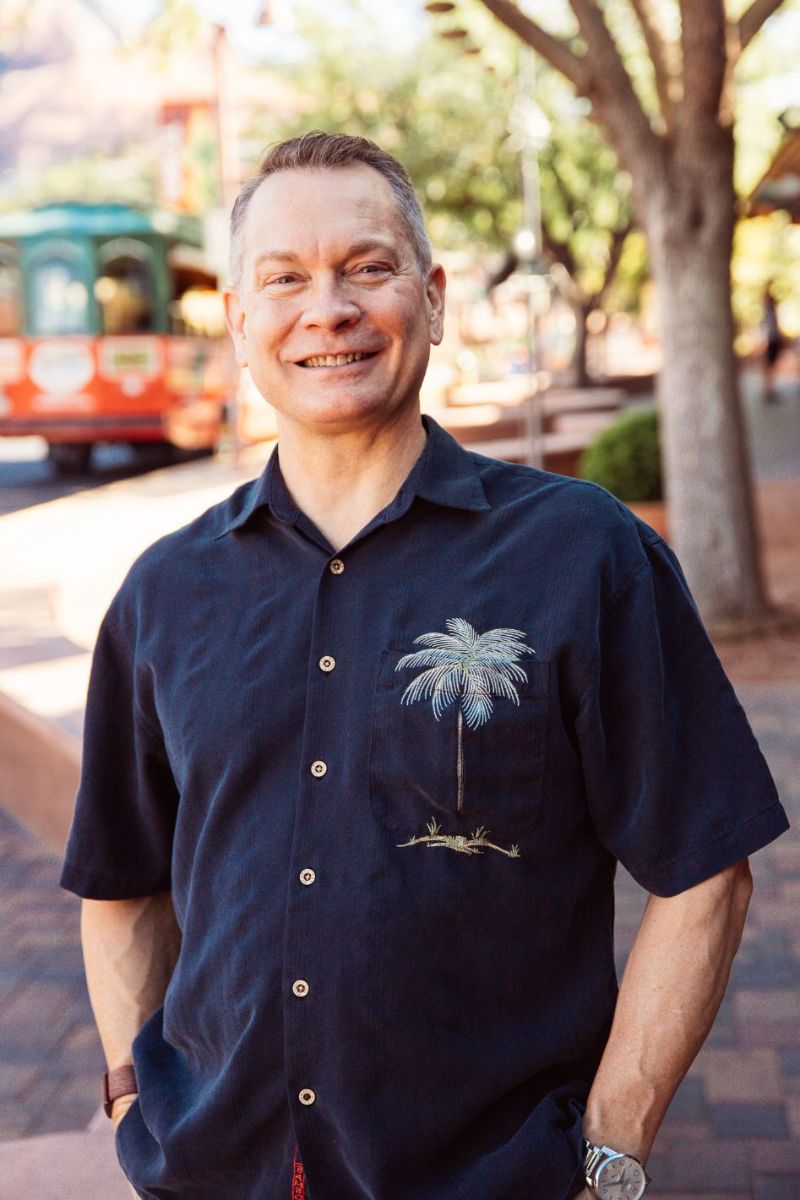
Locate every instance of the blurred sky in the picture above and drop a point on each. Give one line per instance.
(402, 19)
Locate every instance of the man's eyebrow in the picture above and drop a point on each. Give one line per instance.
(277, 256)
(365, 246)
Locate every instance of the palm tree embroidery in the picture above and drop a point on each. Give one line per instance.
(457, 841)
(470, 668)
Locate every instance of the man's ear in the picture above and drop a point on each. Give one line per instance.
(234, 318)
(434, 292)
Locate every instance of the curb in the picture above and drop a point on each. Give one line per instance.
(39, 772)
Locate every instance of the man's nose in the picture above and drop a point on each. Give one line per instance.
(329, 306)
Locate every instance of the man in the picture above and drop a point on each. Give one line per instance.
(363, 746)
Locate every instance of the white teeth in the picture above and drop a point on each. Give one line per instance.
(332, 360)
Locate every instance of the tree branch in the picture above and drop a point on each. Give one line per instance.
(507, 268)
(618, 240)
(611, 90)
(559, 252)
(599, 75)
(565, 255)
(705, 60)
(753, 18)
(659, 54)
(552, 49)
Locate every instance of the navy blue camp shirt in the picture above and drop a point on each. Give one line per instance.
(388, 786)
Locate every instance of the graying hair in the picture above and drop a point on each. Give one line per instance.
(329, 151)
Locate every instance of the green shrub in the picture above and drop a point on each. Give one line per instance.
(626, 458)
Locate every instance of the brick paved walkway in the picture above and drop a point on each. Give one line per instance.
(733, 1132)
(50, 1058)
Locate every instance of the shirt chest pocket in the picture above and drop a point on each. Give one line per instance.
(449, 762)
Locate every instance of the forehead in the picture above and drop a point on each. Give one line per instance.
(304, 208)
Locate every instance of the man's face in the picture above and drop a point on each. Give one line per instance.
(328, 273)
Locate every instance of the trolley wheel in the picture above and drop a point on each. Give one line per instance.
(164, 454)
(70, 458)
(151, 455)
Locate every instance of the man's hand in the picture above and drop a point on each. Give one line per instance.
(120, 1107)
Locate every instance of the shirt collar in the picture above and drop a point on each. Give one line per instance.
(449, 474)
(445, 474)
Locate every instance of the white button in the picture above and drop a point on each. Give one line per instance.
(300, 987)
(326, 663)
(318, 768)
(307, 875)
(336, 566)
(307, 1096)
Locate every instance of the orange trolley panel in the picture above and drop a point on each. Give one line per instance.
(147, 387)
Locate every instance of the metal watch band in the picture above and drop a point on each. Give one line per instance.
(119, 1082)
(594, 1155)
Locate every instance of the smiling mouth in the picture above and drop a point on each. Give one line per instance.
(335, 360)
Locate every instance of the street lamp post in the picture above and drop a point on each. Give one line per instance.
(531, 128)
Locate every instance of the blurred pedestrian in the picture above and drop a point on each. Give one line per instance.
(774, 345)
(384, 646)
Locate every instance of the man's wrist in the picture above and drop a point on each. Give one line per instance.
(610, 1126)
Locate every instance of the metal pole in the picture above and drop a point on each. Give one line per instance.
(532, 226)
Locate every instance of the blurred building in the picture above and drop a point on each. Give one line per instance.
(70, 89)
(779, 186)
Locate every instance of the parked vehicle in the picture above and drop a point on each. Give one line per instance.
(111, 330)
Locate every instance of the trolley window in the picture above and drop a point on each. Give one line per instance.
(59, 299)
(197, 308)
(125, 288)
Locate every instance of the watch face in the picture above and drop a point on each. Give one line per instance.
(621, 1178)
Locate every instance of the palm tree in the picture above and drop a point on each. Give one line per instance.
(470, 668)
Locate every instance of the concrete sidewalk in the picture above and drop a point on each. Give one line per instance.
(52, 1144)
(62, 563)
(734, 1128)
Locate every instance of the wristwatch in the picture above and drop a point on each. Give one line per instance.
(612, 1175)
(119, 1082)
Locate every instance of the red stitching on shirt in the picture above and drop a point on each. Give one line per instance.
(298, 1179)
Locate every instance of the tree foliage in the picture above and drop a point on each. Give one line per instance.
(450, 118)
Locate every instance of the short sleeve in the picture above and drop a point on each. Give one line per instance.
(677, 786)
(120, 842)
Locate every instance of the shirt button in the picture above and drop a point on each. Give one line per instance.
(307, 875)
(336, 566)
(300, 987)
(326, 663)
(319, 768)
(307, 1096)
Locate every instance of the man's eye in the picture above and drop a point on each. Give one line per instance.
(283, 279)
(372, 269)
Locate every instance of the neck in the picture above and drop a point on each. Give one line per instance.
(341, 481)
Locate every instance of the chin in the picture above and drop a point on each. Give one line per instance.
(342, 412)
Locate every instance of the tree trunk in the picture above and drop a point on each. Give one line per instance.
(689, 220)
(580, 370)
